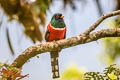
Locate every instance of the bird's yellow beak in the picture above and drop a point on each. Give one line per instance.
(62, 16)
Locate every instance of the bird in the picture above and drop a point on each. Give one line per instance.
(56, 30)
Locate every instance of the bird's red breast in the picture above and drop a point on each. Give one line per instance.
(56, 33)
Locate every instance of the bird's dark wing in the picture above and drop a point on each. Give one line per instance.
(47, 34)
(65, 35)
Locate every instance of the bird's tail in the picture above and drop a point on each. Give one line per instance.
(54, 64)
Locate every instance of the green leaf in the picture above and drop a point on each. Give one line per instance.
(9, 42)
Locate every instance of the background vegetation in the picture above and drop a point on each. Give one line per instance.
(31, 16)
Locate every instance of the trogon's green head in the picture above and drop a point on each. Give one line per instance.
(57, 21)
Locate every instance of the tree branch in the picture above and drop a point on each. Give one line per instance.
(66, 43)
(61, 44)
(91, 28)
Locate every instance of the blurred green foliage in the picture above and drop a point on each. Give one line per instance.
(32, 15)
(110, 73)
(112, 45)
(74, 73)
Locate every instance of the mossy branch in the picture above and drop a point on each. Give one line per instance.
(83, 38)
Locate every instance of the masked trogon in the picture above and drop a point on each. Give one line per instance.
(56, 30)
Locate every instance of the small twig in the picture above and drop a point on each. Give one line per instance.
(99, 8)
(91, 28)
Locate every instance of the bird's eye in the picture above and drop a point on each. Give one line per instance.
(57, 16)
